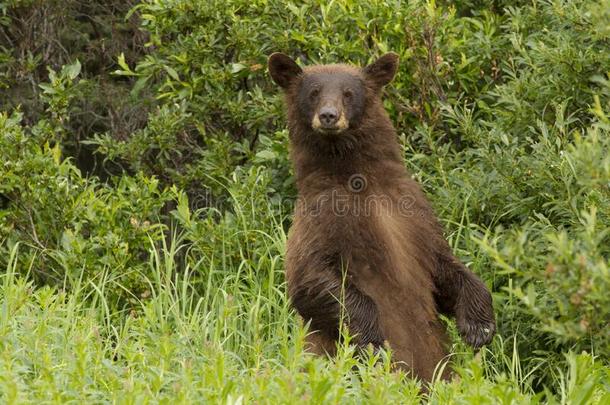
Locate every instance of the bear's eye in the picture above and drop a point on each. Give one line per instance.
(347, 94)
(314, 93)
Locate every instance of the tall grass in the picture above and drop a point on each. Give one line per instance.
(231, 342)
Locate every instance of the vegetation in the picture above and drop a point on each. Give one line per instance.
(145, 195)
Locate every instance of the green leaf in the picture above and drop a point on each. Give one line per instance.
(47, 89)
(266, 155)
(122, 63)
(172, 72)
(237, 67)
(73, 70)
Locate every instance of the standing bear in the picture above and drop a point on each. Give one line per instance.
(365, 246)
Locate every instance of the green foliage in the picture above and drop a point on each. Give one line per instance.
(145, 194)
(57, 347)
(75, 229)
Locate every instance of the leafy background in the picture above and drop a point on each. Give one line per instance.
(146, 192)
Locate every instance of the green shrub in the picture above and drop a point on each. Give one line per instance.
(75, 229)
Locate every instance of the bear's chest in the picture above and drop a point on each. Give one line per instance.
(359, 227)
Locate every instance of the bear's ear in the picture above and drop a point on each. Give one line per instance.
(382, 71)
(283, 69)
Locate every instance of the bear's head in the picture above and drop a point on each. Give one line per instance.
(331, 99)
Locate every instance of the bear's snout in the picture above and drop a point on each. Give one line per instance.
(330, 119)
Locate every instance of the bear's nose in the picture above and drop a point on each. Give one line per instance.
(328, 116)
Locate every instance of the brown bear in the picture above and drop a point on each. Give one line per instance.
(365, 246)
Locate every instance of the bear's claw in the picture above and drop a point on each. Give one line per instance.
(477, 333)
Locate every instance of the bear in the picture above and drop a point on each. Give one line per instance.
(365, 248)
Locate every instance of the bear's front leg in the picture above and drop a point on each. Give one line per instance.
(325, 302)
(460, 293)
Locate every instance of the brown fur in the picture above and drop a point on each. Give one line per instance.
(389, 270)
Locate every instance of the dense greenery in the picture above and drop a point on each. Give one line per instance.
(145, 194)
